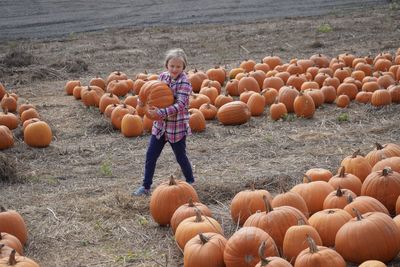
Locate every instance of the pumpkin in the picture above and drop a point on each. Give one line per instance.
(314, 194)
(69, 86)
(287, 95)
(296, 81)
(270, 261)
(304, 106)
(291, 199)
(263, 67)
(217, 73)
(270, 95)
(24, 107)
(197, 122)
(98, 81)
(353, 240)
(137, 85)
(12, 242)
(119, 112)
(316, 95)
(276, 221)
(131, 125)
(12, 222)
(278, 111)
(273, 82)
(338, 199)
(17, 261)
(295, 239)
(348, 89)
(327, 222)
(8, 102)
(157, 94)
(188, 210)
(205, 249)
(332, 81)
(383, 185)
(211, 92)
(382, 152)
(364, 204)
(211, 83)
(363, 97)
(147, 124)
(38, 134)
(317, 174)
(394, 91)
(2, 90)
(329, 93)
(357, 164)
(372, 263)
(91, 95)
(169, 196)
(196, 100)
(245, 95)
(320, 60)
(385, 80)
(209, 111)
(342, 101)
(29, 114)
(256, 104)
(235, 71)
(222, 99)
(247, 65)
(5, 251)
(392, 162)
(232, 87)
(116, 75)
(272, 61)
(242, 247)
(318, 256)
(346, 181)
(8, 119)
(107, 99)
(109, 109)
(382, 64)
(234, 113)
(119, 87)
(247, 202)
(248, 83)
(196, 78)
(381, 97)
(294, 68)
(131, 100)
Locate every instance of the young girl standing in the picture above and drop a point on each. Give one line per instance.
(171, 124)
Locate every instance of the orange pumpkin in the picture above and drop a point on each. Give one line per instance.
(8, 119)
(156, 93)
(12, 222)
(38, 134)
(131, 125)
(11, 241)
(234, 113)
(17, 261)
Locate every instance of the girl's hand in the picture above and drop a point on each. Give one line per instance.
(152, 113)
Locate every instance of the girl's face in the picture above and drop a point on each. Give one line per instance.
(175, 67)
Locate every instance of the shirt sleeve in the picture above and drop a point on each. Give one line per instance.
(183, 91)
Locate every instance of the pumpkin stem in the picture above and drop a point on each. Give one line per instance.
(311, 244)
(252, 186)
(341, 172)
(1, 246)
(190, 202)
(339, 192)
(12, 261)
(198, 215)
(356, 153)
(308, 178)
(386, 171)
(378, 146)
(358, 214)
(261, 249)
(350, 199)
(331, 211)
(172, 180)
(267, 204)
(2, 209)
(203, 238)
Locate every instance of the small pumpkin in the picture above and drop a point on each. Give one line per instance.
(38, 134)
(8, 119)
(70, 85)
(278, 111)
(131, 125)
(197, 122)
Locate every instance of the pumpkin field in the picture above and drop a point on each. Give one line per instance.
(73, 187)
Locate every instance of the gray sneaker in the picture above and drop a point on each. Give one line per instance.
(141, 191)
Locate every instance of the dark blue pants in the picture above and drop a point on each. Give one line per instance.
(154, 150)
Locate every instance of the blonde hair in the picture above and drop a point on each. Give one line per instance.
(175, 53)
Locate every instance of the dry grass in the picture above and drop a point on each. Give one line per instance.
(76, 195)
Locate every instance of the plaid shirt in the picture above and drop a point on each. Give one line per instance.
(175, 123)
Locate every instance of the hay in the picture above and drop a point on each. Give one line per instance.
(8, 171)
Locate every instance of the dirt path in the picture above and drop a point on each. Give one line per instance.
(51, 18)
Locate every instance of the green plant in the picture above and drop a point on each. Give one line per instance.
(343, 117)
(289, 117)
(105, 168)
(325, 28)
(394, 5)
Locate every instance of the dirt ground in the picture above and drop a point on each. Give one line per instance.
(75, 194)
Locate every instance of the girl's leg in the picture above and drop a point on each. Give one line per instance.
(153, 152)
(179, 149)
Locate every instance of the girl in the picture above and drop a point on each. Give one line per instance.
(171, 124)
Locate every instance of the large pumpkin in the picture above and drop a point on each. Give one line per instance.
(38, 134)
(157, 94)
(12, 222)
(234, 113)
(6, 137)
(357, 164)
(167, 197)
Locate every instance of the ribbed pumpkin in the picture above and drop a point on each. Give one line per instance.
(211, 92)
(29, 114)
(338, 199)
(346, 181)
(12, 242)
(38, 134)
(217, 73)
(116, 75)
(196, 78)
(247, 202)
(8, 102)
(392, 162)
(270, 261)
(156, 93)
(8, 119)
(194, 225)
(69, 86)
(382, 152)
(17, 261)
(364, 204)
(353, 240)
(234, 113)
(327, 222)
(197, 122)
(98, 81)
(188, 210)
(232, 87)
(357, 164)
(287, 95)
(272, 61)
(318, 256)
(242, 247)
(317, 174)
(223, 99)
(292, 199)
(276, 221)
(119, 87)
(394, 91)
(209, 111)
(12, 222)
(131, 125)
(278, 111)
(270, 95)
(205, 249)
(381, 97)
(314, 194)
(119, 112)
(196, 100)
(273, 82)
(384, 185)
(107, 99)
(372, 263)
(256, 104)
(169, 196)
(90, 95)
(296, 239)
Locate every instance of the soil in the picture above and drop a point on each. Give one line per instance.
(75, 194)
